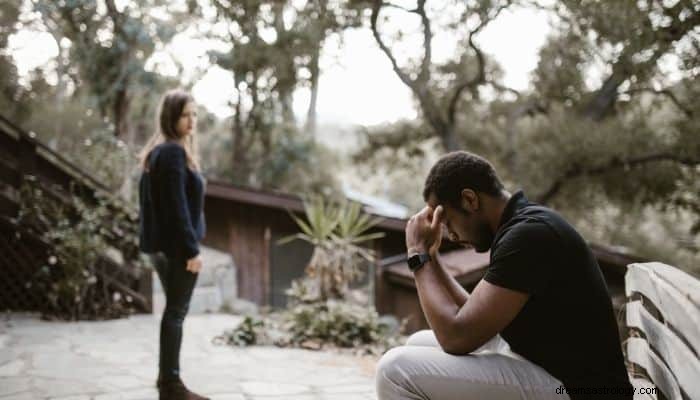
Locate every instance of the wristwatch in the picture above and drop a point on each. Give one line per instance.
(418, 260)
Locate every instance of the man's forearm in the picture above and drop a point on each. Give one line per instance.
(458, 293)
(438, 304)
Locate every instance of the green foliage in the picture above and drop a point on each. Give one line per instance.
(245, 334)
(14, 98)
(108, 45)
(559, 75)
(337, 233)
(338, 323)
(321, 220)
(316, 326)
(72, 126)
(79, 235)
(298, 164)
(85, 141)
(274, 50)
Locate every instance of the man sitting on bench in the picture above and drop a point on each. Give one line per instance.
(539, 325)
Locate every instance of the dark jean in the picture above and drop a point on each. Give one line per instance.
(178, 284)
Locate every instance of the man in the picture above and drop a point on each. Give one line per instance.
(543, 293)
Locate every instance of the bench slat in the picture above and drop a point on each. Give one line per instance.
(639, 383)
(676, 308)
(638, 352)
(681, 360)
(681, 280)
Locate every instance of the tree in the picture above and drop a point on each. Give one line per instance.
(439, 88)
(270, 57)
(103, 52)
(108, 48)
(625, 145)
(14, 98)
(644, 32)
(322, 18)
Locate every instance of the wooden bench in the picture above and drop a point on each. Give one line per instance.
(663, 317)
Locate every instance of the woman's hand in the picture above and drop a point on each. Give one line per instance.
(194, 264)
(423, 231)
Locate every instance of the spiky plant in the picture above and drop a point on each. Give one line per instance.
(337, 233)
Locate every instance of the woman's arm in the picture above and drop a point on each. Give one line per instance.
(174, 175)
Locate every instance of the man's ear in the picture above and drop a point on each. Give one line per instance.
(470, 201)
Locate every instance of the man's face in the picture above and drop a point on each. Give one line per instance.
(467, 224)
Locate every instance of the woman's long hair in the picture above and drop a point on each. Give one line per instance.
(169, 112)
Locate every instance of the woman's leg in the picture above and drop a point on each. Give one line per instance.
(160, 264)
(178, 292)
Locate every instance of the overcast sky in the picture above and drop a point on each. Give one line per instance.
(357, 85)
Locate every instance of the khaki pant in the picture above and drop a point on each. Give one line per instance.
(421, 370)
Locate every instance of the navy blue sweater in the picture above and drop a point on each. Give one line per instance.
(171, 199)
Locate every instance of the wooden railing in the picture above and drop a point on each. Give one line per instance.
(20, 156)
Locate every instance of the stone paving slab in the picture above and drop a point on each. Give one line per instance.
(117, 360)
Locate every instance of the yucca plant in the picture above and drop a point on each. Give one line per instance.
(321, 221)
(337, 233)
(353, 230)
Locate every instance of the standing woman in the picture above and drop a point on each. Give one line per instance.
(171, 198)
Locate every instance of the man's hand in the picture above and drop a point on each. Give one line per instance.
(194, 264)
(423, 231)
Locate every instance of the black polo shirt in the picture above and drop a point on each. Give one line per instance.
(568, 325)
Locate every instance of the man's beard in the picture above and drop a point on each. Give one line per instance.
(483, 237)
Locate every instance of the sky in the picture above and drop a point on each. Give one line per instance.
(357, 85)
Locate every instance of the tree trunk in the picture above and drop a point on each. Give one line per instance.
(286, 99)
(122, 131)
(315, 72)
(449, 140)
(437, 120)
(602, 103)
(237, 141)
(122, 103)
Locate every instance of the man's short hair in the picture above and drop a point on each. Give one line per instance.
(457, 171)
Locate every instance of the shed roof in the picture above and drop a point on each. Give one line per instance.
(279, 200)
(468, 266)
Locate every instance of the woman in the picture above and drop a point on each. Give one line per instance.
(171, 194)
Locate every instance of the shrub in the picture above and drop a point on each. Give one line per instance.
(80, 236)
(335, 322)
(247, 333)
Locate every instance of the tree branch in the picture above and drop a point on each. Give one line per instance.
(391, 5)
(604, 98)
(503, 88)
(424, 74)
(116, 17)
(664, 92)
(376, 7)
(481, 61)
(577, 170)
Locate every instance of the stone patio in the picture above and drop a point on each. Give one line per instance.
(117, 360)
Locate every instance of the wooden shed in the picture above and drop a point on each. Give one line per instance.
(248, 223)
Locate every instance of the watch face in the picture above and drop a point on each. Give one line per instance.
(417, 260)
